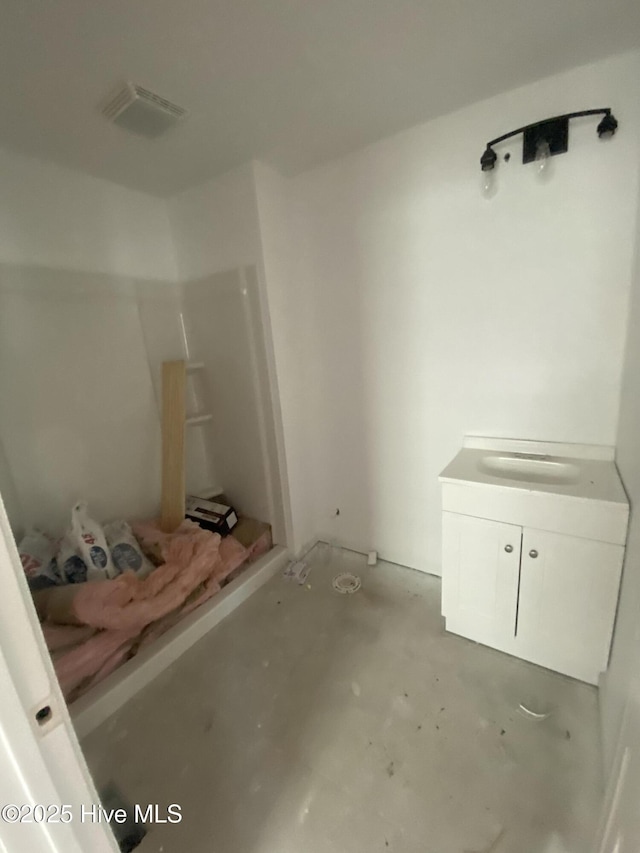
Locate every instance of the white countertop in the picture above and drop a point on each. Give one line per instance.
(597, 478)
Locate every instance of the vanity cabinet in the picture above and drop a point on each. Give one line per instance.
(480, 572)
(541, 595)
(533, 544)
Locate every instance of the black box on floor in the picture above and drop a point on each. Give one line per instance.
(217, 517)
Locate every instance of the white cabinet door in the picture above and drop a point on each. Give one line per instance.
(567, 602)
(480, 563)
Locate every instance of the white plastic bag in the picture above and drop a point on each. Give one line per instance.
(92, 542)
(72, 566)
(38, 556)
(84, 553)
(126, 553)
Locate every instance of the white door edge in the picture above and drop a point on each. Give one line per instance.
(39, 764)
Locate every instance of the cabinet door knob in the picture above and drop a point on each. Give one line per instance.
(508, 548)
(533, 553)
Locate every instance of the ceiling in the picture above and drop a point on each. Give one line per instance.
(292, 82)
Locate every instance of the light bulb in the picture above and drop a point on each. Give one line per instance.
(489, 185)
(543, 155)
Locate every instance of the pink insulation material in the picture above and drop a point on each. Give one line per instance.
(191, 557)
(74, 667)
(60, 637)
(129, 611)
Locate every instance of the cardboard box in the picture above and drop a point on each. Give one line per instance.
(213, 516)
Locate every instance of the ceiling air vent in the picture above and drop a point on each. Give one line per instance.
(142, 112)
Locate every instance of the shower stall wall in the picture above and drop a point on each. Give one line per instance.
(80, 360)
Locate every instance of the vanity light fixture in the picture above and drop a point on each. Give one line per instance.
(607, 126)
(488, 159)
(543, 139)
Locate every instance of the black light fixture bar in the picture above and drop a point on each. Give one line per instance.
(535, 124)
(554, 131)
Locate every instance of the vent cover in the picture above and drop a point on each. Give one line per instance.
(142, 112)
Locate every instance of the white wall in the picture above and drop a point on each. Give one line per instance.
(219, 320)
(620, 688)
(216, 231)
(413, 311)
(54, 217)
(625, 656)
(288, 307)
(215, 225)
(90, 302)
(78, 416)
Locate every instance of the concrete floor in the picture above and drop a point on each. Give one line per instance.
(310, 722)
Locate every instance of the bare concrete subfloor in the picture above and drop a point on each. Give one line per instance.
(314, 722)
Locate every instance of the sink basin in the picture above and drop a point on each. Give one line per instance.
(529, 468)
